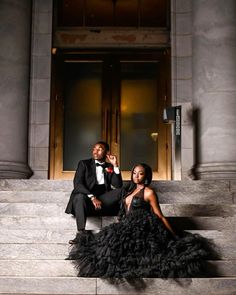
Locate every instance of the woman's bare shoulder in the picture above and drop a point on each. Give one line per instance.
(149, 192)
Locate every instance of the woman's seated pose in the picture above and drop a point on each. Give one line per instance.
(142, 243)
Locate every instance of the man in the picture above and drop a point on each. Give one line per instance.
(95, 187)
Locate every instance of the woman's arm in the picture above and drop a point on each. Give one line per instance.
(151, 197)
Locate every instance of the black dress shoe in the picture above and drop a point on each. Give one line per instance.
(75, 240)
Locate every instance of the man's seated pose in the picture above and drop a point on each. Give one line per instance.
(97, 187)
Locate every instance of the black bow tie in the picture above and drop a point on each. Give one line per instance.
(101, 165)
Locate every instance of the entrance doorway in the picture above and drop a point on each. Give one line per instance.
(117, 97)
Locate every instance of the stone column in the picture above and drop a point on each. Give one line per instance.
(214, 87)
(15, 33)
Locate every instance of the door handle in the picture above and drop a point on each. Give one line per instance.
(154, 136)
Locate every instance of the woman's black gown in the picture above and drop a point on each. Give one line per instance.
(137, 246)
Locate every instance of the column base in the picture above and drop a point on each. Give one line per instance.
(13, 170)
(215, 171)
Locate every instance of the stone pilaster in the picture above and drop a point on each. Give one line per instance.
(15, 28)
(214, 87)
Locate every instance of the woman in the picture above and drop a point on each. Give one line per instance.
(142, 242)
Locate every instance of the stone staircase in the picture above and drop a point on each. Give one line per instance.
(34, 234)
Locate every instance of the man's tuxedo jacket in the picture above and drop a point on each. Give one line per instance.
(85, 180)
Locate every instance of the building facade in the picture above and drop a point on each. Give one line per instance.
(196, 53)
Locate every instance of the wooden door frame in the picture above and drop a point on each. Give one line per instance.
(110, 116)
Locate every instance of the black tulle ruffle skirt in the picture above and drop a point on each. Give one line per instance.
(138, 246)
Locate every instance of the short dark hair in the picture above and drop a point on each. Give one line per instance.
(105, 144)
(148, 173)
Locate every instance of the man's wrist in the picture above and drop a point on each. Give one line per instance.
(91, 197)
(116, 169)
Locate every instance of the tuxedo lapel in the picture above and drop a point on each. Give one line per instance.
(107, 177)
(93, 167)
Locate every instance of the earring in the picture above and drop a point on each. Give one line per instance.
(145, 181)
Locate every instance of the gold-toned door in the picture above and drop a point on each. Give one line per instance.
(116, 97)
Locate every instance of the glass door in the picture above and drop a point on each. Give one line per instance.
(142, 135)
(82, 111)
(138, 114)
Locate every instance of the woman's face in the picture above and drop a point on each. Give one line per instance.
(138, 175)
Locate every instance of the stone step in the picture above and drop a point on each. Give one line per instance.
(35, 197)
(95, 286)
(65, 268)
(55, 245)
(37, 222)
(35, 185)
(189, 197)
(206, 197)
(62, 268)
(56, 209)
(203, 223)
(161, 186)
(221, 268)
(58, 236)
(68, 222)
(195, 186)
(31, 236)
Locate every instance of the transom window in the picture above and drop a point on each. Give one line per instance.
(112, 13)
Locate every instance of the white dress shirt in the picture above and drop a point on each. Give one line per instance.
(100, 174)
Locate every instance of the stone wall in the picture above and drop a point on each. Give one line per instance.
(40, 90)
(181, 43)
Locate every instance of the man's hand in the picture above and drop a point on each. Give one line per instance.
(97, 203)
(112, 159)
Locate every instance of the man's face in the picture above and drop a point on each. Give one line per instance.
(99, 152)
